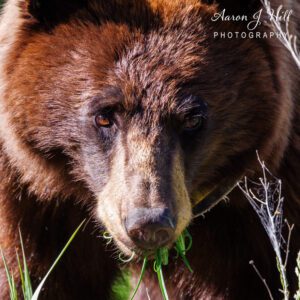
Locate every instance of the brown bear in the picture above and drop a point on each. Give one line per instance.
(127, 113)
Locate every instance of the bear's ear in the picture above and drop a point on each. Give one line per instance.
(246, 7)
(52, 10)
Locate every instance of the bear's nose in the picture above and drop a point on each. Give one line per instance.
(150, 228)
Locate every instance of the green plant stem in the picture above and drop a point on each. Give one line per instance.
(162, 259)
(26, 283)
(40, 286)
(141, 277)
(10, 279)
(158, 270)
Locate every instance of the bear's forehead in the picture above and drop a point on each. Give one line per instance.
(154, 71)
(124, 62)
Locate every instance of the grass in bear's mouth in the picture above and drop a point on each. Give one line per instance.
(162, 259)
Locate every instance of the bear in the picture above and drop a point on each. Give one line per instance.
(133, 115)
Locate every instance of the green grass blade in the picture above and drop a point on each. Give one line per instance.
(141, 277)
(10, 279)
(181, 247)
(39, 288)
(186, 262)
(21, 275)
(26, 275)
(188, 236)
(126, 260)
(161, 282)
(158, 270)
(181, 243)
(164, 253)
(14, 293)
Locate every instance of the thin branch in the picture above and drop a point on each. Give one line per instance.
(266, 199)
(290, 229)
(262, 279)
(288, 40)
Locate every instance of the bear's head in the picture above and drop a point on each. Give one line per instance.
(136, 109)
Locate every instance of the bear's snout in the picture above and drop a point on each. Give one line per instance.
(145, 203)
(150, 228)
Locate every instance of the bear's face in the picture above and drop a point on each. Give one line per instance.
(152, 121)
(167, 130)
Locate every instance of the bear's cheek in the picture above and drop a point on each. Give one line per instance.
(183, 204)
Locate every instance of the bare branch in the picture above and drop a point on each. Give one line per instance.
(288, 40)
(262, 279)
(266, 199)
(290, 229)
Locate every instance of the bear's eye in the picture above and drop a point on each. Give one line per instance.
(103, 121)
(193, 123)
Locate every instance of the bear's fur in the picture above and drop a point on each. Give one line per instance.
(152, 61)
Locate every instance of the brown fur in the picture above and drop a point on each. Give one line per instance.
(62, 64)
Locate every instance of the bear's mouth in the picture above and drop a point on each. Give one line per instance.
(206, 203)
(134, 252)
